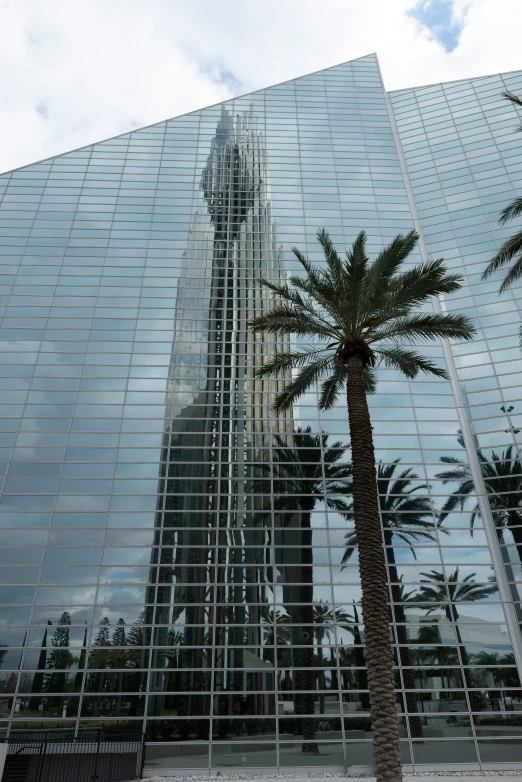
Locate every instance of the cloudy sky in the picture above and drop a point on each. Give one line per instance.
(73, 72)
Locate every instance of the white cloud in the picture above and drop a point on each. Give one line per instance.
(76, 73)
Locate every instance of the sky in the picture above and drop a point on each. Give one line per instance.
(74, 72)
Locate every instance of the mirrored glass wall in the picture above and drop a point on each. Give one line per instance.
(176, 558)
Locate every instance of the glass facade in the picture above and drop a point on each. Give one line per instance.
(174, 556)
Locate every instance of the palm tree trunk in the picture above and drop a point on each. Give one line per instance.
(372, 567)
(307, 633)
(402, 640)
(474, 697)
(320, 674)
(514, 524)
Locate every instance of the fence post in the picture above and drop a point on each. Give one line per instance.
(142, 759)
(95, 775)
(3, 755)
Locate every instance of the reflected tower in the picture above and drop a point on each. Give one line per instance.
(212, 529)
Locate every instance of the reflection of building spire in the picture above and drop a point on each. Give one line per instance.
(218, 415)
(228, 180)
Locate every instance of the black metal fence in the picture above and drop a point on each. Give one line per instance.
(59, 756)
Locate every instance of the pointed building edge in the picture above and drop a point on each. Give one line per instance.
(186, 114)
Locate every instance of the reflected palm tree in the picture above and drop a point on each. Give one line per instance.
(503, 478)
(442, 656)
(406, 514)
(490, 660)
(438, 593)
(278, 632)
(325, 619)
(305, 469)
(348, 656)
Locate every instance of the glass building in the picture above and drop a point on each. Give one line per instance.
(175, 559)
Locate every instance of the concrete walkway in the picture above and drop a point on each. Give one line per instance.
(460, 776)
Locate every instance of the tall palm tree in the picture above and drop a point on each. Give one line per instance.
(325, 619)
(503, 479)
(511, 250)
(357, 314)
(305, 468)
(438, 592)
(406, 514)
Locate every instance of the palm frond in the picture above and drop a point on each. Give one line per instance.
(315, 276)
(453, 501)
(300, 385)
(462, 474)
(332, 256)
(324, 292)
(426, 327)
(370, 381)
(509, 250)
(283, 290)
(514, 209)
(332, 387)
(512, 97)
(409, 362)
(293, 359)
(307, 266)
(356, 266)
(389, 260)
(430, 278)
(285, 319)
(338, 504)
(513, 247)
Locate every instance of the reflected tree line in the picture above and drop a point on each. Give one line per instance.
(303, 469)
(299, 638)
(62, 662)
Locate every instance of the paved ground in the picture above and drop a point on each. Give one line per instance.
(514, 776)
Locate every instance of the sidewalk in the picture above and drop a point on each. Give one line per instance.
(514, 776)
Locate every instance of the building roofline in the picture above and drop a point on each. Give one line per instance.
(253, 92)
(453, 81)
(187, 113)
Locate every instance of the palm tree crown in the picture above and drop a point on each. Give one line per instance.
(358, 308)
(447, 591)
(511, 250)
(326, 617)
(503, 479)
